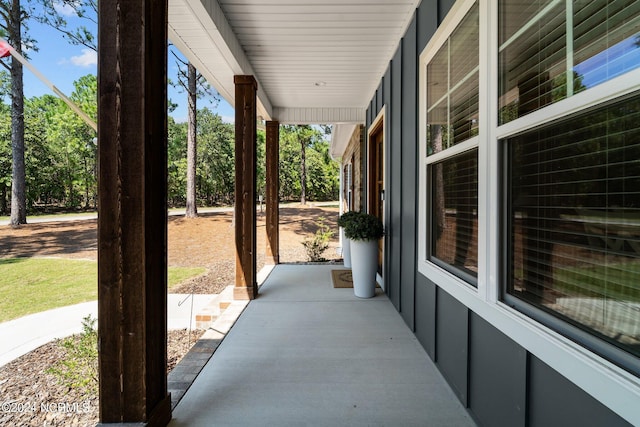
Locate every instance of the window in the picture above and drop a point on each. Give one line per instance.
(572, 185)
(452, 88)
(550, 50)
(573, 213)
(606, 40)
(452, 97)
(348, 185)
(529, 185)
(453, 212)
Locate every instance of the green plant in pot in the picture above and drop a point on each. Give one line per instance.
(343, 220)
(364, 230)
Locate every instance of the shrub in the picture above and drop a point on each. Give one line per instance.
(346, 217)
(79, 368)
(364, 226)
(319, 243)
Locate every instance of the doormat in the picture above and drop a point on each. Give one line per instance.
(342, 278)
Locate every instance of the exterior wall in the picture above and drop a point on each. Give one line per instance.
(501, 382)
(353, 155)
(394, 199)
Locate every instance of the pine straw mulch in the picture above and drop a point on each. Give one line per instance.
(30, 396)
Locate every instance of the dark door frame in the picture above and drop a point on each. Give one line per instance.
(376, 176)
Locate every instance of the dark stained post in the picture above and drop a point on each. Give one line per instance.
(132, 224)
(273, 191)
(245, 191)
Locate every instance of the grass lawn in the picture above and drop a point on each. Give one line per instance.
(31, 285)
(618, 281)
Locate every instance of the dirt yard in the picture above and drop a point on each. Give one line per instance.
(206, 241)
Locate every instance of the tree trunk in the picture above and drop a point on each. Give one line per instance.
(3, 199)
(303, 170)
(70, 202)
(192, 210)
(86, 183)
(18, 176)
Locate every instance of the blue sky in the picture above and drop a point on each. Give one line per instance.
(611, 62)
(63, 63)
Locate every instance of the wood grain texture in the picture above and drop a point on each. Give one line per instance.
(132, 224)
(245, 191)
(272, 191)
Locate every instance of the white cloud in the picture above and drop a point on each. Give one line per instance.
(64, 9)
(88, 58)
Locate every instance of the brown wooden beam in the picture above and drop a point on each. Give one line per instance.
(273, 191)
(245, 189)
(132, 220)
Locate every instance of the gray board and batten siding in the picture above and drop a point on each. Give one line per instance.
(499, 382)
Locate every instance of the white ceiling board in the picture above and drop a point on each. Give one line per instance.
(211, 45)
(311, 58)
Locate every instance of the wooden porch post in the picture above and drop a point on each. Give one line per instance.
(132, 224)
(273, 191)
(245, 189)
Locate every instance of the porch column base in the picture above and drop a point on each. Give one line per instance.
(160, 416)
(244, 294)
(272, 260)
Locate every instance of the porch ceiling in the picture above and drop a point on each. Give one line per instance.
(315, 61)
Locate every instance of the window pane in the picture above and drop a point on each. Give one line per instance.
(574, 221)
(452, 87)
(454, 212)
(464, 47)
(604, 42)
(532, 66)
(437, 89)
(437, 129)
(438, 76)
(607, 39)
(464, 110)
(514, 15)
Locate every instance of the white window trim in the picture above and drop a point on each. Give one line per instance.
(607, 91)
(460, 148)
(450, 23)
(488, 180)
(616, 388)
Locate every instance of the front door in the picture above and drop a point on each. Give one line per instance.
(376, 178)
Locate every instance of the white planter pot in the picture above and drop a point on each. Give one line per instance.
(364, 266)
(346, 251)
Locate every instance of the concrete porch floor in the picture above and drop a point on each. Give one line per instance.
(306, 354)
